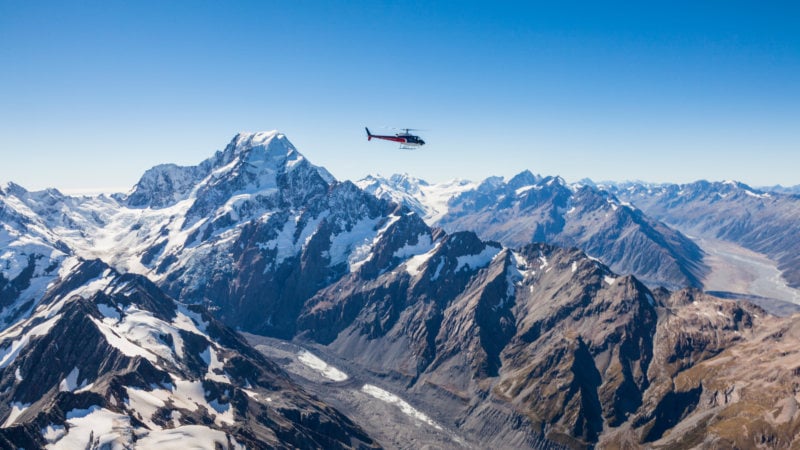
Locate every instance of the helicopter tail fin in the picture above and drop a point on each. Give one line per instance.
(369, 135)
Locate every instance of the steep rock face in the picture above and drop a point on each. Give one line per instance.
(127, 366)
(765, 222)
(529, 208)
(404, 306)
(544, 335)
(604, 327)
(684, 340)
(552, 348)
(636, 243)
(723, 376)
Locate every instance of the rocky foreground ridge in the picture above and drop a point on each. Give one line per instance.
(106, 360)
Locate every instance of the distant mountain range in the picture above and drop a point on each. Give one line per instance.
(399, 314)
(530, 208)
(795, 190)
(765, 222)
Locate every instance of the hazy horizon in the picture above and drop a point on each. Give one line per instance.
(97, 190)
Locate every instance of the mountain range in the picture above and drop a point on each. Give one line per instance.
(383, 313)
(765, 222)
(529, 208)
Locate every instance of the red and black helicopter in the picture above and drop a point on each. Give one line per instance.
(407, 140)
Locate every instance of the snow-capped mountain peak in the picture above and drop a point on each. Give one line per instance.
(250, 163)
(262, 150)
(246, 139)
(271, 150)
(524, 178)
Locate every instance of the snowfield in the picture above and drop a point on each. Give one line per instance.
(114, 431)
(431, 201)
(388, 397)
(314, 362)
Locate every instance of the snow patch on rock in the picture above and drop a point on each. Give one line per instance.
(478, 261)
(70, 383)
(17, 408)
(415, 262)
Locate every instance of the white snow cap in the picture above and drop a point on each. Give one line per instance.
(274, 148)
(265, 145)
(245, 139)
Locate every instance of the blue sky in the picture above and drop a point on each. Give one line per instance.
(94, 93)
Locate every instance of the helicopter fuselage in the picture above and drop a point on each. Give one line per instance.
(407, 139)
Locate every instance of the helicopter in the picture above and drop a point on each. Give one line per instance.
(407, 140)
